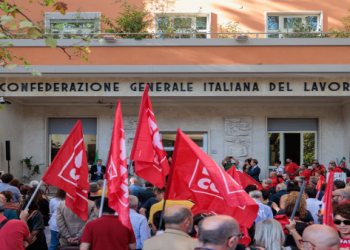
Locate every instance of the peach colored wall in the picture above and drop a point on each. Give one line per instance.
(194, 55)
(250, 13)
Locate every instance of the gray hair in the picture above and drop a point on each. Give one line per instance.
(269, 233)
(133, 201)
(256, 194)
(2, 205)
(100, 183)
(282, 186)
(179, 216)
(219, 235)
(300, 178)
(33, 184)
(93, 187)
(268, 181)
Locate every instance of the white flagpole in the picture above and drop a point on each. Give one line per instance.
(32, 197)
(102, 198)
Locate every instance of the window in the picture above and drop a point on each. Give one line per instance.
(286, 21)
(182, 23)
(59, 128)
(72, 24)
(168, 139)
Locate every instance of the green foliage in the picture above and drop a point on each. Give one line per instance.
(32, 169)
(230, 27)
(303, 27)
(342, 32)
(309, 148)
(132, 19)
(50, 41)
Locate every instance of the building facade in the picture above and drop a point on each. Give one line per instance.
(268, 97)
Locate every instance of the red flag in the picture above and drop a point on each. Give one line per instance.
(243, 178)
(319, 184)
(327, 207)
(195, 176)
(69, 171)
(117, 171)
(148, 152)
(283, 220)
(246, 238)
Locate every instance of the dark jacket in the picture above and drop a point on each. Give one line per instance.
(93, 170)
(320, 196)
(254, 173)
(277, 196)
(145, 195)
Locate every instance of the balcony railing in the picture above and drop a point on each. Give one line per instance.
(242, 36)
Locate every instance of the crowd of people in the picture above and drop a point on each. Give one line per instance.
(49, 223)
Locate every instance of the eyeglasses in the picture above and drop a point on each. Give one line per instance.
(338, 222)
(239, 236)
(335, 195)
(301, 241)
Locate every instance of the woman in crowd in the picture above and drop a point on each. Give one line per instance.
(15, 183)
(266, 195)
(196, 219)
(269, 235)
(246, 165)
(342, 223)
(54, 202)
(35, 224)
(156, 222)
(9, 204)
(293, 186)
(304, 214)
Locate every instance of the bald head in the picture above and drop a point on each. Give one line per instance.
(2, 197)
(178, 217)
(133, 180)
(323, 237)
(218, 231)
(2, 206)
(340, 195)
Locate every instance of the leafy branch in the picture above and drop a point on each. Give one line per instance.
(32, 168)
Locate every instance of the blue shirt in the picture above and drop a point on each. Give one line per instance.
(14, 190)
(98, 170)
(265, 212)
(135, 189)
(140, 227)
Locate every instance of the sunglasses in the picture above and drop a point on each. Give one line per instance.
(301, 241)
(338, 222)
(239, 236)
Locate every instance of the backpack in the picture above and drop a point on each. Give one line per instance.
(272, 190)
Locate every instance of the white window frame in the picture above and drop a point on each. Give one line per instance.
(283, 14)
(192, 14)
(205, 139)
(70, 16)
(282, 149)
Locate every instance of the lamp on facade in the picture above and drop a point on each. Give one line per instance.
(242, 38)
(110, 39)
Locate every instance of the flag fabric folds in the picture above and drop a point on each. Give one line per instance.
(117, 171)
(342, 163)
(321, 180)
(147, 151)
(195, 176)
(243, 178)
(69, 171)
(327, 207)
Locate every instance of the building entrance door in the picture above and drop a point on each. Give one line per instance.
(292, 147)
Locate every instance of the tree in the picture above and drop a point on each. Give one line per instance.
(15, 20)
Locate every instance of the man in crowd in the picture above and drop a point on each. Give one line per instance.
(332, 167)
(139, 223)
(317, 167)
(306, 173)
(100, 184)
(267, 184)
(97, 171)
(94, 192)
(312, 204)
(275, 178)
(279, 170)
(286, 178)
(107, 232)
(300, 180)
(254, 170)
(340, 196)
(159, 195)
(134, 187)
(228, 162)
(70, 226)
(10, 214)
(14, 234)
(178, 223)
(291, 168)
(281, 189)
(338, 184)
(265, 211)
(219, 232)
(4, 186)
(319, 237)
(146, 194)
